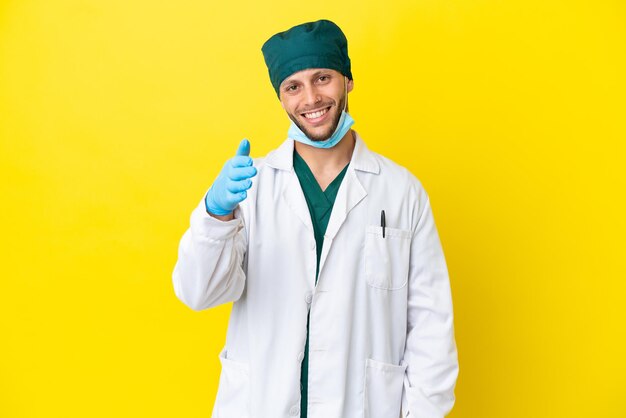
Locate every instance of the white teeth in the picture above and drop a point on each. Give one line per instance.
(315, 114)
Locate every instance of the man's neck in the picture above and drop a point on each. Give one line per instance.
(327, 163)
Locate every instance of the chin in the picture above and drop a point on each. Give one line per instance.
(320, 136)
(323, 134)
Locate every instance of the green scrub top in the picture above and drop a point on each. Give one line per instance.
(320, 205)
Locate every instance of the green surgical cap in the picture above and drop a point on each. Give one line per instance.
(318, 44)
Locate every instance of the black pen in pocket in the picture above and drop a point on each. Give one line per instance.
(382, 221)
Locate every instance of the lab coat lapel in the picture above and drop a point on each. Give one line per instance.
(294, 197)
(282, 160)
(350, 193)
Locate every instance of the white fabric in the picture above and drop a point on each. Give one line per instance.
(381, 324)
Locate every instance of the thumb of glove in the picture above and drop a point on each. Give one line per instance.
(244, 148)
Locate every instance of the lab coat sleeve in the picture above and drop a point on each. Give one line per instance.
(430, 353)
(209, 270)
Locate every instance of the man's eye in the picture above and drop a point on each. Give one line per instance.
(293, 87)
(323, 78)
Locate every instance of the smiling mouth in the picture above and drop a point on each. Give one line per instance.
(318, 114)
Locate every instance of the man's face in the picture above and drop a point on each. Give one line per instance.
(314, 99)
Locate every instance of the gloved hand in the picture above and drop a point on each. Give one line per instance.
(229, 189)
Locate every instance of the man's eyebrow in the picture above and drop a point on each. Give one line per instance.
(314, 75)
(288, 81)
(320, 72)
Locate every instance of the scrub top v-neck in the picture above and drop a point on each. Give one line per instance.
(320, 203)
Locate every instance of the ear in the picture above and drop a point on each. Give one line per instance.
(350, 85)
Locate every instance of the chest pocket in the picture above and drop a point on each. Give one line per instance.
(387, 259)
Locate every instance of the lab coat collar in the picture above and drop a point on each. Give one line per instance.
(362, 158)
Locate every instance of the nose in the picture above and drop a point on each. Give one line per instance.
(311, 96)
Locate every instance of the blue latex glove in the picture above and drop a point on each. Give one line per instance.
(229, 189)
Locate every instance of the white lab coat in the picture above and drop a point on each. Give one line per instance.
(381, 324)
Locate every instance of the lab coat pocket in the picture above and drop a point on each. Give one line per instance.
(383, 389)
(233, 395)
(387, 258)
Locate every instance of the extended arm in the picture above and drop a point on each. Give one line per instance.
(209, 270)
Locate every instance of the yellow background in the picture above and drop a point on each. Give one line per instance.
(116, 115)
